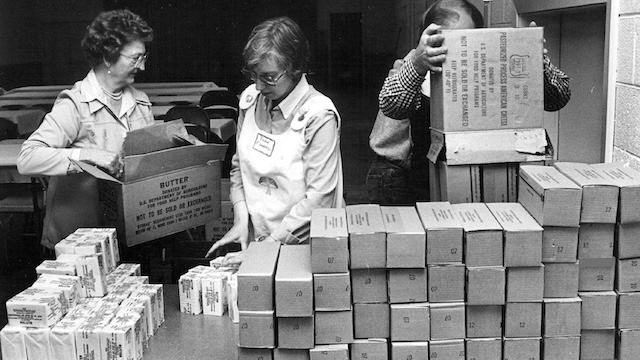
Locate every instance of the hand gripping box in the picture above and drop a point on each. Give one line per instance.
(628, 179)
(561, 317)
(492, 79)
(256, 276)
(329, 241)
(406, 239)
(551, 197)
(444, 232)
(599, 192)
(482, 235)
(522, 234)
(169, 184)
(367, 237)
(294, 282)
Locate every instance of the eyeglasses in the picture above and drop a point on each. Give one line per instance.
(139, 60)
(267, 79)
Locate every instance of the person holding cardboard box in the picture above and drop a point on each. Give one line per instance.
(400, 135)
(89, 123)
(287, 160)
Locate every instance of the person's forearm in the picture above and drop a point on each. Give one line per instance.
(399, 95)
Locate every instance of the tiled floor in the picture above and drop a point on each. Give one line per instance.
(357, 109)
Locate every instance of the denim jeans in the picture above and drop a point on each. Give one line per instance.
(388, 183)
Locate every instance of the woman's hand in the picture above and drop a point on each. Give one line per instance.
(238, 233)
(111, 162)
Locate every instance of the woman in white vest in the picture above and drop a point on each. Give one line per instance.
(287, 160)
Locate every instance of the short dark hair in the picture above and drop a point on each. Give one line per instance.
(445, 12)
(281, 40)
(110, 31)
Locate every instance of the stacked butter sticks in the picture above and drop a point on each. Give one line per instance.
(84, 305)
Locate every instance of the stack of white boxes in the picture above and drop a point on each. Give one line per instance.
(84, 304)
(332, 284)
(627, 249)
(486, 114)
(485, 280)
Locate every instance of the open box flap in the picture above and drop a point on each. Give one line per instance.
(95, 171)
(491, 146)
(141, 166)
(155, 138)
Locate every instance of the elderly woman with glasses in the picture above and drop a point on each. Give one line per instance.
(89, 123)
(288, 160)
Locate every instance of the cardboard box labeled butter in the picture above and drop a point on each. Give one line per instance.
(491, 79)
(488, 348)
(256, 276)
(482, 235)
(371, 320)
(562, 317)
(551, 197)
(599, 193)
(332, 292)
(367, 237)
(522, 234)
(628, 180)
(561, 348)
(369, 349)
(484, 321)
(329, 241)
(409, 322)
(444, 232)
(169, 185)
(406, 239)
(294, 282)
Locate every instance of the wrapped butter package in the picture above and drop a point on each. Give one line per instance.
(138, 317)
(35, 307)
(118, 340)
(139, 306)
(36, 341)
(56, 267)
(112, 238)
(87, 336)
(157, 291)
(214, 293)
(149, 302)
(62, 336)
(91, 244)
(93, 276)
(70, 285)
(12, 342)
(190, 286)
(232, 298)
(65, 246)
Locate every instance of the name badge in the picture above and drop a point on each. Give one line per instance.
(264, 145)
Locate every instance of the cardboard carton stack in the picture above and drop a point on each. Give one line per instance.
(332, 284)
(409, 318)
(485, 280)
(486, 114)
(627, 251)
(84, 304)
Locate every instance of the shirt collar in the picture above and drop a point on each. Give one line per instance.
(92, 93)
(288, 104)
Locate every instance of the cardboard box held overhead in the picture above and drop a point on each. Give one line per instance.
(168, 185)
(492, 79)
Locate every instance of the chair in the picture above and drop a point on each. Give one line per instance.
(8, 129)
(220, 99)
(196, 122)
